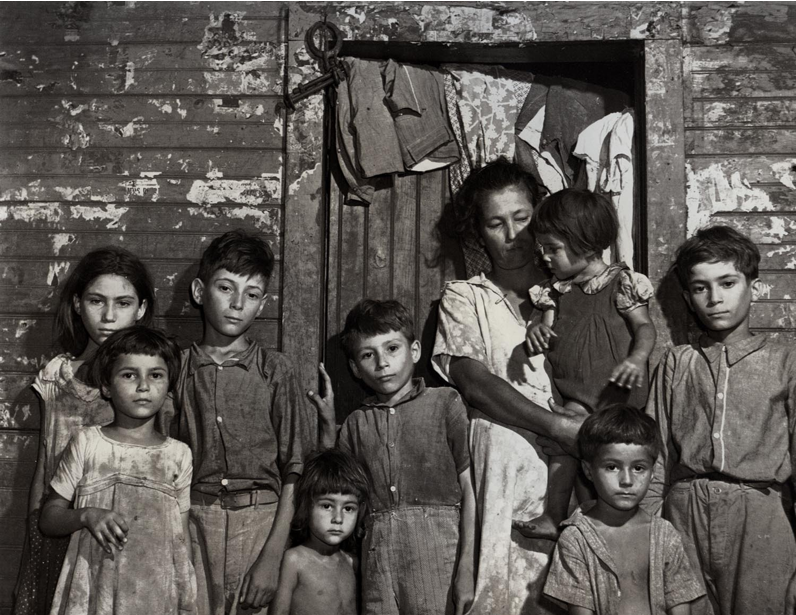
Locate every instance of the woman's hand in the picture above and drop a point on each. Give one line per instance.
(629, 373)
(537, 338)
(108, 527)
(324, 404)
(565, 430)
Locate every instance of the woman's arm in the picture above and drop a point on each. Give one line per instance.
(186, 532)
(499, 400)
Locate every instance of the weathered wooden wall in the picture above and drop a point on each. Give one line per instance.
(154, 126)
(147, 125)
(740, 123)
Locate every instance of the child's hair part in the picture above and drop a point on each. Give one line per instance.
(716, 244)
(494, 176)
(329, 471)
(238, 252)
(584, 220)
(617, 424)
(69, 332)
(372, 317)
(137, 339)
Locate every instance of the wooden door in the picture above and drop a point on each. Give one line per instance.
(389, 250)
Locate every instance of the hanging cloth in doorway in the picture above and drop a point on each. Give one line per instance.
(607, 149)
(391, 118)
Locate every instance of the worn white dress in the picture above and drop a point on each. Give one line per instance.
(150, 487)
(510, 470)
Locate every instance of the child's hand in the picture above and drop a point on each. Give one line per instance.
(537, 338)
(629, 373)
(260, 583)
(324, 403)
(463, 589)
(541, 527)
(109, 528)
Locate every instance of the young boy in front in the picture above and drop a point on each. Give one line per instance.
(240, 409)
(417, 555)
(613, 558)
(726, 410)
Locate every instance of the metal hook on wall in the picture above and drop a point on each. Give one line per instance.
(335, 71)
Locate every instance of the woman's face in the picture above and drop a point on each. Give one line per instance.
(505, 216)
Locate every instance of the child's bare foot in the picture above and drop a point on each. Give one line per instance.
(542, 527)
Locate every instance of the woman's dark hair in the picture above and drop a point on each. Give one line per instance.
(69, 332)
(137, 339)
(330, 471)
(617, 424)
(585, 221)
(495, 176)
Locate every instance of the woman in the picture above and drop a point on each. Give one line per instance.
(480, 349)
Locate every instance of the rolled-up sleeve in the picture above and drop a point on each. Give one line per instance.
(296, 429)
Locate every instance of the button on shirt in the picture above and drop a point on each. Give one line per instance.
(412, 451)
(726, 409)
(245, 420)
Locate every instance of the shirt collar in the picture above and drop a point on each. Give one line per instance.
(589, 532)
(593, 285)
(199, 358)
(418, 386)
(735, 351)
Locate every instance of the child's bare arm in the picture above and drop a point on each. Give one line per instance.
(324, 404)
(537, 338)
(680, 609)
(464, 584)
(37, 486)
(58, 518)
(186, 533)
(260, 582)
(288, 579)
(630, 372)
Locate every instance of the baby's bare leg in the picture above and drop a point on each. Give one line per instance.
(561, 474)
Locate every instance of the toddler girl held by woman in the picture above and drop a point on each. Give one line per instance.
(596, 326)
(319, 575)
(123, 492)
(108, 290)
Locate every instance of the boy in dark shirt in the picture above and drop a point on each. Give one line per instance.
(242, 413)
(412, 442)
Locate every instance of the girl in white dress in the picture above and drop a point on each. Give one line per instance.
(123, 492)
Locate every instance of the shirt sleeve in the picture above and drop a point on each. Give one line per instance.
(72, 467)
(457, 426)
(458, 330)
(634, 290)
(680, 584)
(296, 429)
(568, 579)
(659, 408)
(183, 482)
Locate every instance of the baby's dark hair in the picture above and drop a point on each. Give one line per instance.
(372, 317)
(238, 252)
(716, 244)
(494, 176)
(617, 424)
(134, 340)
(585, 221)
(68, 329)
(329, 471)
